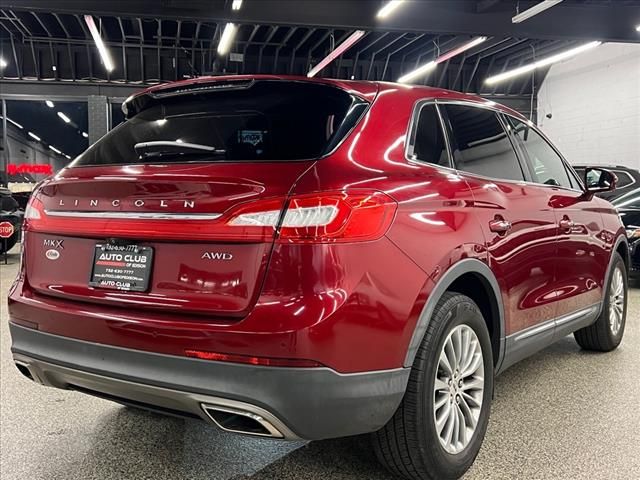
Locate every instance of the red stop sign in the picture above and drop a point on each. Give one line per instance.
(6, 230)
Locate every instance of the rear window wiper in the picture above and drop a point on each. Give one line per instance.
(163, 148)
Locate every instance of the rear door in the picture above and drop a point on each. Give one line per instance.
(518, 222)
(582, 249)
(156, 215)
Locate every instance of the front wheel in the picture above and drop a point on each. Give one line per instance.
(607, 331)
(439, 427)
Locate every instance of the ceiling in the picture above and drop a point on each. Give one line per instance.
(167, 40)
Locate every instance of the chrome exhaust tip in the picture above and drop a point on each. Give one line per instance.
(26, 371)
(237, 420)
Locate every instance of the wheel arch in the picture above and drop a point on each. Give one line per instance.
(621, 246)
(475, 279)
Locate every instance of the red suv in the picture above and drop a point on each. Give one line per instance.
(304, 259)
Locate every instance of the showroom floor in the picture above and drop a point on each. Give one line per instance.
(562, 414)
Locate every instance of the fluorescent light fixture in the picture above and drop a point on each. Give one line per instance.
(64, 117)
(34, 136)
(389, 8)
(3, 62)
(336, 52)
(420, 71)
(14, 122)
(67, 156)
(85, 134)
(104, 53)
(536, 9)
(542, 63)
(49, 103)
(462, 48)
(51, 147)
(227, 37)
(236, 4)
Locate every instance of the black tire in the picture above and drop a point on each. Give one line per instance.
(599, 336)
(409, 444)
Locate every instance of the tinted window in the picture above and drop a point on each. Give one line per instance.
(624, 179)
(481, 145)
(546, 165)
(429, 143)
(270, 120)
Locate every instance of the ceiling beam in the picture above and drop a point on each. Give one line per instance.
(607, 21)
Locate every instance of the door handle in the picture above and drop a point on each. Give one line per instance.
(566, 224)
(499, 225)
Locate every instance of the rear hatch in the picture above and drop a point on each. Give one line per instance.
(159, 214)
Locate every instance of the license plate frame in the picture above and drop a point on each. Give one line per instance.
(124, 267)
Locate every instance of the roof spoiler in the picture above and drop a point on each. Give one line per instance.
(141, 101)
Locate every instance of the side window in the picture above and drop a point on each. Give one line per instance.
(546, 165)
(624, 179)
(429, 144)
(481, 145)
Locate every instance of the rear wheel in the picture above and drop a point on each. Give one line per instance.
(439, 427)
(606, 333)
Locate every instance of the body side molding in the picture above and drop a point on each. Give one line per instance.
(525, 343)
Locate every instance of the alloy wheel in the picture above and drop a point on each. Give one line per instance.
(616, 302)
(458, 390)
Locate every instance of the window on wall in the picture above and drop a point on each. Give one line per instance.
(480, 143)
(429, 144)
(545, 164)
(45, 133)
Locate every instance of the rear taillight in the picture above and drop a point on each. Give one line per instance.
(323, 217)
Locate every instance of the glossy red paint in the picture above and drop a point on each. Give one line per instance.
(350, 306)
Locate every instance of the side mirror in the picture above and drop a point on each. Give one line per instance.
(598, 179)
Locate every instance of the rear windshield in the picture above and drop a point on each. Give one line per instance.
(271, 120)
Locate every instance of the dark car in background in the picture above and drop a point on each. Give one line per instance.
(20, 185)
(628, 180)
(628, 206)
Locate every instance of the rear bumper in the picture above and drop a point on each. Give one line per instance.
(299, 403)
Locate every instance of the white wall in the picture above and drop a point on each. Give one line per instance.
(594, 100)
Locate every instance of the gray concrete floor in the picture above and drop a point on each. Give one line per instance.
(562, 414)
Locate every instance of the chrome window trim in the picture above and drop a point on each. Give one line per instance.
(476, 104)
(134, 215)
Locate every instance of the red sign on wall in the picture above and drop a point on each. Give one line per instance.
(13, 169)
(6, 230)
